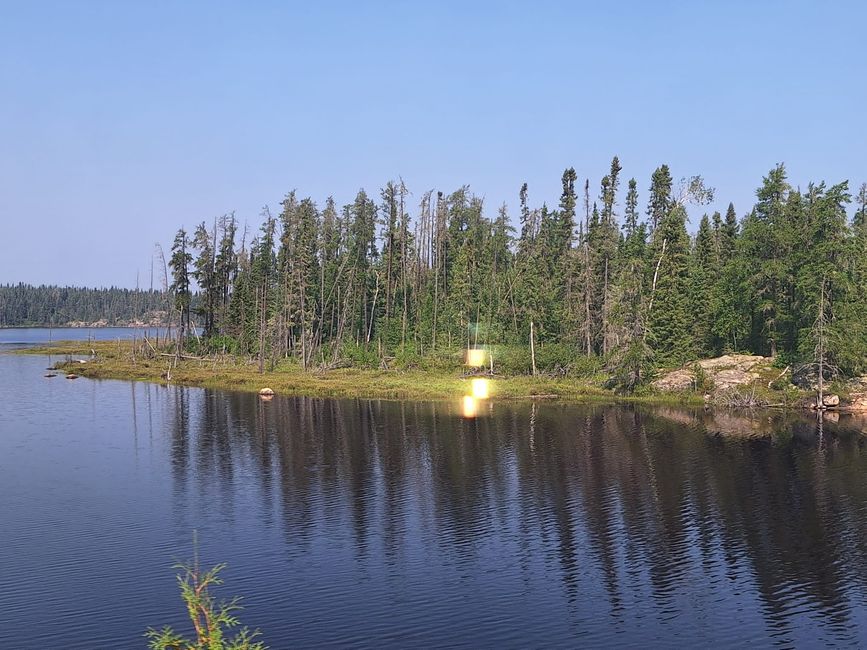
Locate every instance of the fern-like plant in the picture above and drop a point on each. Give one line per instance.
(211, 619)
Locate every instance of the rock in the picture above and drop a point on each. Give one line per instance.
(725, 372)
(266, 392)
(731, 377)
(737, 361)
(831, 400)
(677, 380)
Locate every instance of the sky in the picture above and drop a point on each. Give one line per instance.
(122, 121)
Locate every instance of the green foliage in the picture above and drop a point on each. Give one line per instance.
(703, 381)
(211, 619)
(671, 320)
(179, 263)
(632, 368)
(782, 383)
(512, 360)
(381, 283)
(566, 360)
(360, 356)
(785, 359)
(23, 305)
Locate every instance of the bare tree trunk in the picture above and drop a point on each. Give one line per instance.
(532, 348)
(653, 289)
(820, 346)
(605, 310)
(372, 310)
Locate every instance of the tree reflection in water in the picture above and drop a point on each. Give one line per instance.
(638, 515)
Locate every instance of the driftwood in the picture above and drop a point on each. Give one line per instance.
(785, 370)
(734, 398)
(182, 356)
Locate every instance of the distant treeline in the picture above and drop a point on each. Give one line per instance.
(23, 305)
(597, 277)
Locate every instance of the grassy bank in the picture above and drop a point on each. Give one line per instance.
(115, 360)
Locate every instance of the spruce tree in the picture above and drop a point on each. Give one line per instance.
(179, 263)
(671, 322)
(661, 202)
(204, 271)
(704, 266)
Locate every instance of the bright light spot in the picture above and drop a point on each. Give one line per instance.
(471, 406)
(481, 388)
(477, 357)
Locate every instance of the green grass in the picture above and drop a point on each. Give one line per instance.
(114, 360)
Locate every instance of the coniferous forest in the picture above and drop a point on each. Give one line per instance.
(607, 276)
(23, 305)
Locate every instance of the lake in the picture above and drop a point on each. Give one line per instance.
(17, 337)
(394, 524)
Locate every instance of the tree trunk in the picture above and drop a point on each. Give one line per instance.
(532, 348)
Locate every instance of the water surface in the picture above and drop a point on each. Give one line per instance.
(17, 337)
(390, 524)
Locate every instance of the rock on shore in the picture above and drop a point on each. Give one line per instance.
(727, 371)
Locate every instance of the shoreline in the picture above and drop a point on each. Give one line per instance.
(115, 360)
(67, 326)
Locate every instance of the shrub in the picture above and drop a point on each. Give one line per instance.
(211, 620)
(703, 381)
(512, 360)
(360, 356)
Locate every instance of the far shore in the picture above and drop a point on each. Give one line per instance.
(86, 326)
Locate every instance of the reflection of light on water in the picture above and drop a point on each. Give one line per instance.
(476, 357)
(481, 388)
(471, 406)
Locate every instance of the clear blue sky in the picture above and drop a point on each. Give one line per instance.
(121, 121)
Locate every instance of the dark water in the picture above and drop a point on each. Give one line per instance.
(372, 523)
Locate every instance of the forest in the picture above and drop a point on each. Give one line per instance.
(24, 305)
(607, 279)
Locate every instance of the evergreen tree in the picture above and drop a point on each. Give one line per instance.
(204, 271)
(728, 234)
(670, 318)
(704, 266)
(179, 263)
(371, 281)
(767, 240)
(661, 201)
(225, 268)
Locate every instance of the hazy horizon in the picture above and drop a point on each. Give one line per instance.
(122, 122)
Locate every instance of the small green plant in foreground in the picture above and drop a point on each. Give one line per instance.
(211, 620)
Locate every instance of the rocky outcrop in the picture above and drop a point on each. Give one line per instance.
(725, 372)
(857, 402)
(678, 380)
(857, 397)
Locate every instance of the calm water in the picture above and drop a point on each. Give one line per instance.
(16, 337)
(387, 524)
